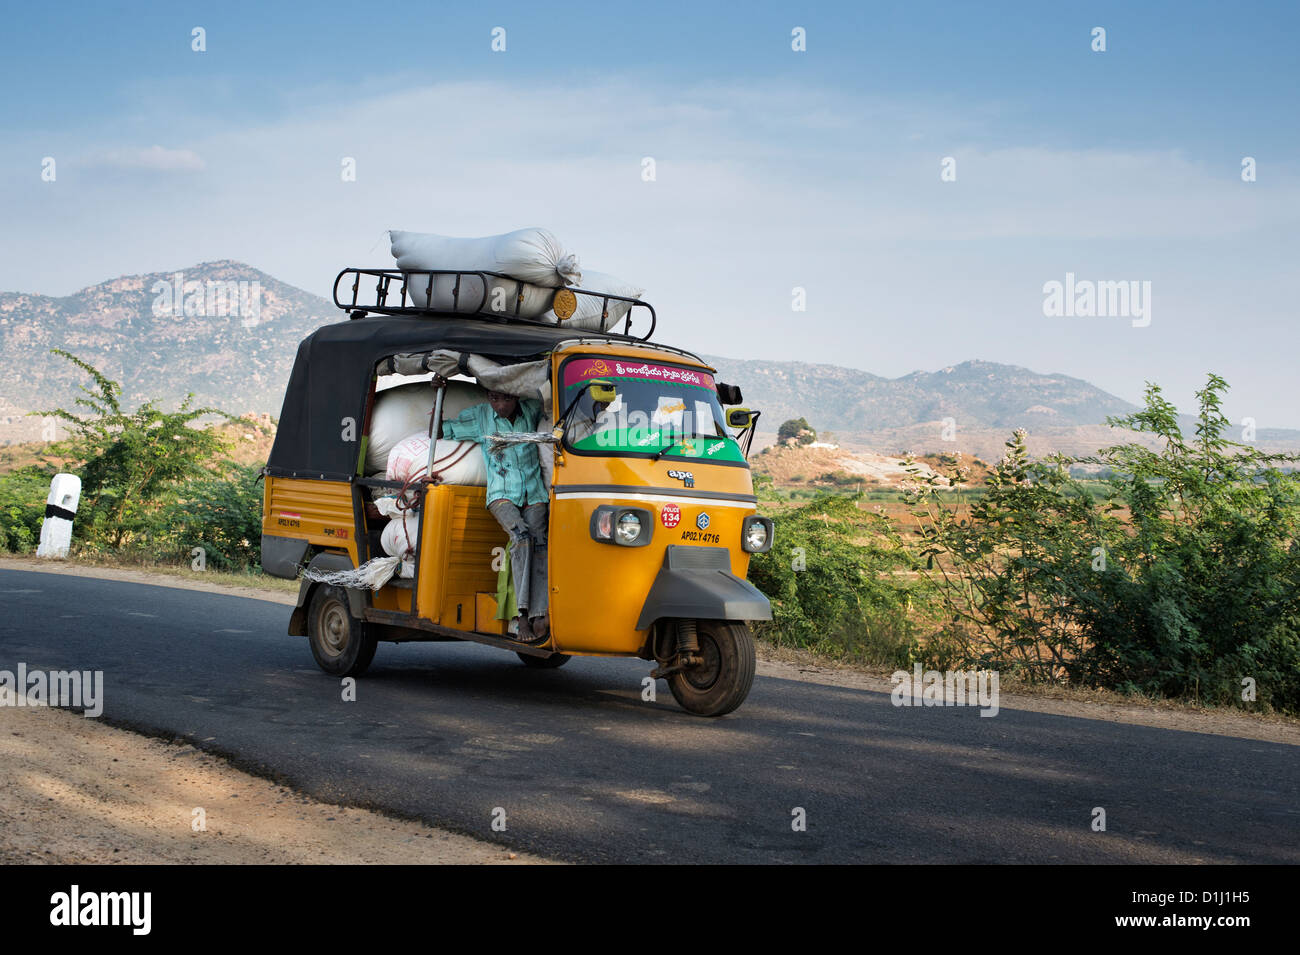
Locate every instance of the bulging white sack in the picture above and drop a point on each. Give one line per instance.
(405, 409)
(454, 462)
(499, 299)
(587, 315)
(533, 256)
(400, 536)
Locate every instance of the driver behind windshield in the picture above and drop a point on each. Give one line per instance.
(583, 424)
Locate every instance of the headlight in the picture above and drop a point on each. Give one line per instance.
(629, 528)
(756, 535)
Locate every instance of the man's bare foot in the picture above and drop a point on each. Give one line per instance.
(523, 632)
(541, 628)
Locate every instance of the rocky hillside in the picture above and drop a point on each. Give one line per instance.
(229, 337)
(228, 333)
(829, 465)
(970, 408)
(975, 394)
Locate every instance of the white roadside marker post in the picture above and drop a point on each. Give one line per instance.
(60, 509)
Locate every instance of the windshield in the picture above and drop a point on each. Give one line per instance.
(659, 410)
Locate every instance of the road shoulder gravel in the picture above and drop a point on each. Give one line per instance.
(79, 792)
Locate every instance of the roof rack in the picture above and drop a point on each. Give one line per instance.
(422, 279)
(649, 344)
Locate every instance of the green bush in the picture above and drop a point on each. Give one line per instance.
(1204, 591)
(22, 507)
(131, 464)
(1194, 593)
(796, 430)
(222, 513)
(1012, 566)
(154, 486)
(832, 577)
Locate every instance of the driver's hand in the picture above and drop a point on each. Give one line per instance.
(439, 381)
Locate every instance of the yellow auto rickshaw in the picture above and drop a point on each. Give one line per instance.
(652, 516)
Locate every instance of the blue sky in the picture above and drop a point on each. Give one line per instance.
(775, 169)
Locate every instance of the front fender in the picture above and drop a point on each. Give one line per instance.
(325, 561)
(696, 583)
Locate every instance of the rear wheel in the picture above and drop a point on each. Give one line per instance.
(341, 644)
(721, 683)
(554, 661)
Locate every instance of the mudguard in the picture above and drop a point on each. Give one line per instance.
(282, 556)
(326, 561)
(696, 583)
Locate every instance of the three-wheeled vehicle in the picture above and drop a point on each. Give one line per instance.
(652, 510)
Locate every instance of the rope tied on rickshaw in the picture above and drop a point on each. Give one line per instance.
(497, 442)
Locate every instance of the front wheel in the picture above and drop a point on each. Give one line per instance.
(341, 644)
(721, 683)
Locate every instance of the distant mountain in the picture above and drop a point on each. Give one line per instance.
(975, 394)
(231, 334)
(230, 337)
(985, 400)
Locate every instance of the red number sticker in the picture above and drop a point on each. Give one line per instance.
(670, 515)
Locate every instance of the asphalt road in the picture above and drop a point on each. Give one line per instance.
(586, 771)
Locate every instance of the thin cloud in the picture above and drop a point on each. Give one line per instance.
(155, 158)
(758, 190)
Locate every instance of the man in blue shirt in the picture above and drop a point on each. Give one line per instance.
(516, 496)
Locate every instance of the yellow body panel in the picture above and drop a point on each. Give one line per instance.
(393, 598)
(317, 511)
(485, 613)
(598, 589)
(456, 559)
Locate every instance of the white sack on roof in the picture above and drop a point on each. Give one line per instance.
(499, 299)
(535, 257)
(587, 315)
(404, 410)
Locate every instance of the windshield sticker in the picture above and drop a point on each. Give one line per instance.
(621, 440)
(669, 413)
(579, 370)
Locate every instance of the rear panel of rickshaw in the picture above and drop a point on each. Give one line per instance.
(319, 512)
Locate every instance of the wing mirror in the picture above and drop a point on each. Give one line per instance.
(740, 417)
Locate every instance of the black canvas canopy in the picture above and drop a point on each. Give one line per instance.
(331, 379)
